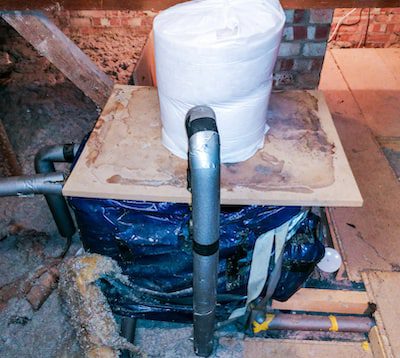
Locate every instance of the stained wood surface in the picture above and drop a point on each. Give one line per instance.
(323, 300)
(163, 4)
(281, 348)
(145, 70)
(378, 348)
(373, 77)
(51, 42)
(368, 237)
(383, 289)
(302, 163)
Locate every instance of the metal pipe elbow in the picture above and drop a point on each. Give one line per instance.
(204, 145)
(47, 156)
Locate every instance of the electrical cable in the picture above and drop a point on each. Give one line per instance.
(363, 39)
(340, 23)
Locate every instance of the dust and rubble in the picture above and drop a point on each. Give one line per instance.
(91, 316)
(39, 107)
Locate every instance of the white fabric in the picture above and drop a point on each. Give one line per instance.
(219, 53)
(261, 258)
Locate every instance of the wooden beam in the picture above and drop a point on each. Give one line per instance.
(163, 4)
(145, 70)
(324, 300)
(51, 42)
(9, 165)
(377, 345)
(383, 288)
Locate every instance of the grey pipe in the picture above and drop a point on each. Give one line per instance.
(44, 163)
(306, 322)
(128, 329)
(204, 182)
(48, 184)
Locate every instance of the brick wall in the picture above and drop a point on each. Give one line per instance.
(367, 28)
(300, 58)
(94, 22)
(302, 49)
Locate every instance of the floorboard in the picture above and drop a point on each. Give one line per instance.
(279, 348)
(369, 237)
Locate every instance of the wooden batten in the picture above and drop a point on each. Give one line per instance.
(324, 300)
(51, 42)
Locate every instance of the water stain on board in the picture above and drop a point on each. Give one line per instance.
(125, 148)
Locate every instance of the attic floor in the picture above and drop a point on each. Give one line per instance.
(38, 106)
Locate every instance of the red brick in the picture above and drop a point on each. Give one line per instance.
(395, 19)
(348, 37)
(377, 28)
(308, 80)
(96, 21)
(147, 21)
(302, 64)
(393, 28)
(321, 16)
(322, 32)
(131, 21)
(111, 13)
(80, 22)
(115, 21)
(381, 18)
(377, 38)
(300, 32)
(317, 64)
(86, 31)
(91, 13)
(286, 64)
(299, 16)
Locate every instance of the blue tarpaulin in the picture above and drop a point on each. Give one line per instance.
(151, 243)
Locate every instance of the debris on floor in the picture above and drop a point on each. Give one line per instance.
(33, 322)
(91, 316)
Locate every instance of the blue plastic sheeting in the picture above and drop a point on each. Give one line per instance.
(151, 243)
(301, 253)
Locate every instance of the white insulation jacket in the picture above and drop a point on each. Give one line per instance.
(219, 53)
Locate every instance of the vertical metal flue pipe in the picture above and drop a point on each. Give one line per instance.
(204, 181)
(44, 163)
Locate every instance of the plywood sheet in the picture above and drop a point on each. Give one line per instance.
(280, 348)
(373, 78)
(383, 288)
(369, 237)
(302, 163)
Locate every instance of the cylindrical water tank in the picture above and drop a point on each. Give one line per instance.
(219, 53)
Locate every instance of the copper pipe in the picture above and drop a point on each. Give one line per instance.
(305, 322)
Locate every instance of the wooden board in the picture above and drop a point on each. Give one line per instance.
(51, 42)
(302, 162)
(281, 348)
(322, 300)
(377, 91)
(369, 236)
(377, 344)
(383, 289)
(145, 70)
(163, 4)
